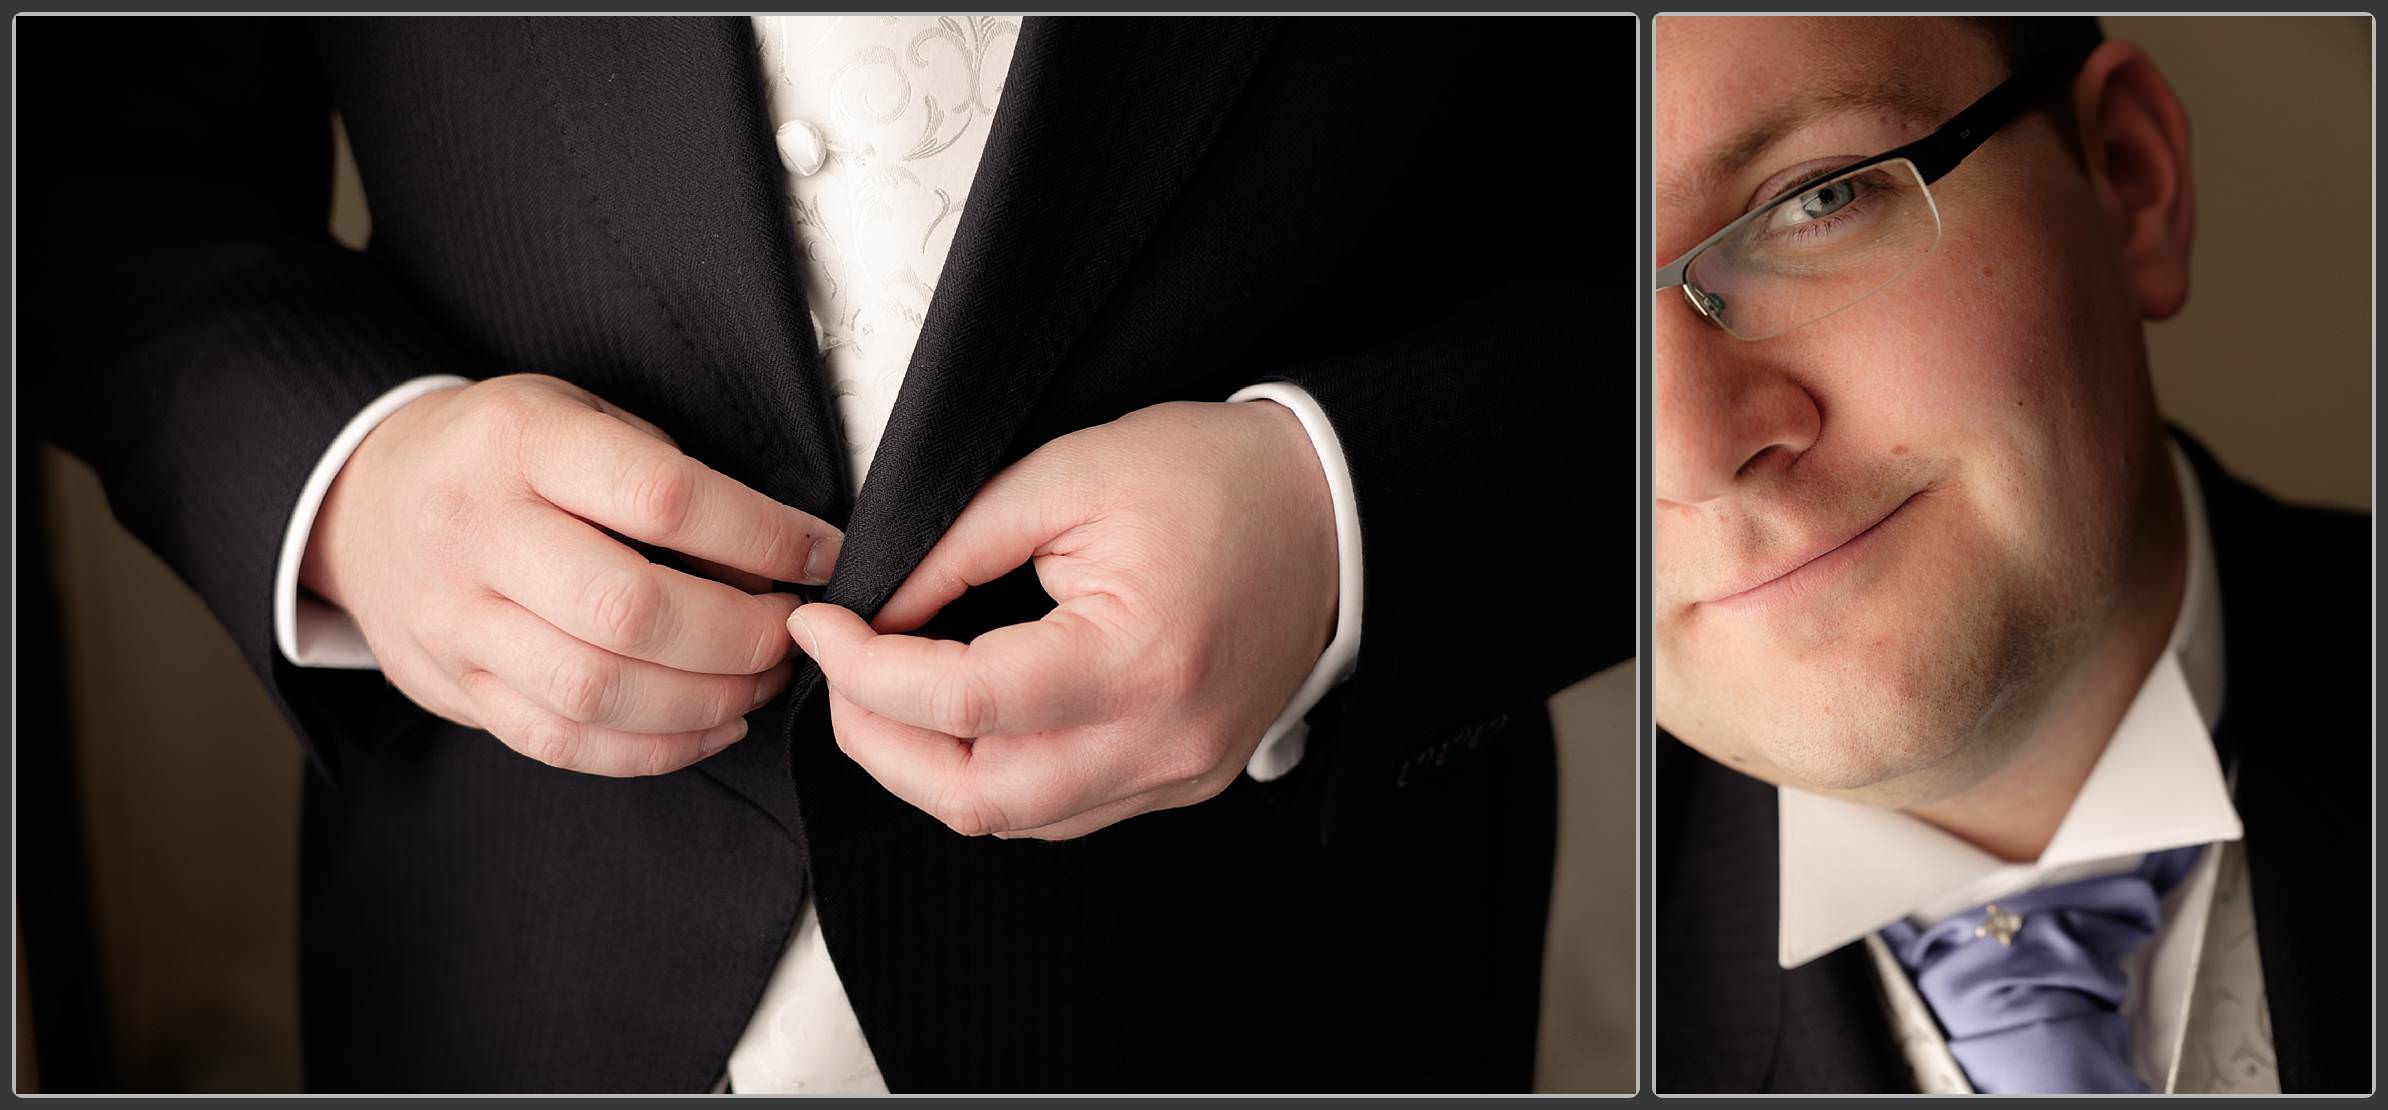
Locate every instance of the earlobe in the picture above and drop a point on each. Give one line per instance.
(2135, 141)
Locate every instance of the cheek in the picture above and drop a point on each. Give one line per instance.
(2010, 370)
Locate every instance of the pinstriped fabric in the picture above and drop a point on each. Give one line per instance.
(880, 123)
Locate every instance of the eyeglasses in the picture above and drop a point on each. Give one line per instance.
(1828, 243)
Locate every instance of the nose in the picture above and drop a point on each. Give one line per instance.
(1720, 411)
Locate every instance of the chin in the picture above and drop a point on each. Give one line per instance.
(1886, 756)
(1890, 728)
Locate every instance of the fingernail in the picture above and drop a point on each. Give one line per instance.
(801, 631)
(822, 560)
(720, 737)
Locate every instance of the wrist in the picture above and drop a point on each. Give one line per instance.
(316, 572)
(324, 562)
(1302, 475)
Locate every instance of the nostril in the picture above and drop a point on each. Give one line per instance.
(1766, 456)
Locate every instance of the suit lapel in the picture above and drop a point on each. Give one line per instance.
(665, 122)
(1101, 123)
(2304, 757)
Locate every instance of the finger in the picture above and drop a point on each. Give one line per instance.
(1094, 820)
(595, 466)
(589, 685)
(633, 419)
(1043, 674)
(426, 681)
(926, 769)
(705, 568)
(986, 786)
(591, 749)
(1006, 524)
(602, 593)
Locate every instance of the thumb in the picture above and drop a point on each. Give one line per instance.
(1010, 521)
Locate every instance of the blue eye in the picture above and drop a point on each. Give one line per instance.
(1817, 203)
(1821, 209)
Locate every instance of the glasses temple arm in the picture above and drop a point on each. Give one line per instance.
(1936, 154)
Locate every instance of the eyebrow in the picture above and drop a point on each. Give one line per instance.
(1895, 93)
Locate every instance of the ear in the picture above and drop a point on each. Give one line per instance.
(2135, 139)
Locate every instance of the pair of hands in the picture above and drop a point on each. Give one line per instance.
(477, 538)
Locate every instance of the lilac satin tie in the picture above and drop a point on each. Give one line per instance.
(2029, 988)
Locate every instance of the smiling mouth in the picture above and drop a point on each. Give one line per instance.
(1813, 565)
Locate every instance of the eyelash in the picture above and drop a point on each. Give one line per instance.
(1823, 225)
(1800, 178)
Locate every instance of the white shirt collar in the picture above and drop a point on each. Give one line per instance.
(1849, 869)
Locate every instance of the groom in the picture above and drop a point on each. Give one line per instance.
(639, 724)
(2012, 744)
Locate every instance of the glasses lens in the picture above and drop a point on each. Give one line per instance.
(1813, 253)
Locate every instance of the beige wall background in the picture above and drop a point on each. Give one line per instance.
(2270, 363)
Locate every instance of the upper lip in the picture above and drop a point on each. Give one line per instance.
(1767, 572)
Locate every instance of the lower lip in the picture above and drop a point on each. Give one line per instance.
(1818, 572)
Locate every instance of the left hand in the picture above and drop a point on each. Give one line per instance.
(1191, 549)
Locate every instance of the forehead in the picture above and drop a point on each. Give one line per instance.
(1721, 86)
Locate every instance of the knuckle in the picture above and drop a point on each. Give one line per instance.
(531, 384)
(730, 700)
(661, 492)
(960, 704)
(503, 422)
(661, 756)
(552, 742)
(772, 644)
(503, 408)
(965, 815)
(581, 687)
(626, 608)
(780, 546)
(968, 820)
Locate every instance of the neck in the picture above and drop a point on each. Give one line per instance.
(2013, 810)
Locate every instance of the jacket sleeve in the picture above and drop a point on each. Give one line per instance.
(191, 329)
(1487, 407)
(1495, 492)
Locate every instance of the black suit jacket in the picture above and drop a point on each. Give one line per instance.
(1407, 218)
(2295, 652)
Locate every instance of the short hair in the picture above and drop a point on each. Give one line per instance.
(2024, 39)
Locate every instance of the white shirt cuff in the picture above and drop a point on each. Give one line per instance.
(309, 631)
(1282, 745)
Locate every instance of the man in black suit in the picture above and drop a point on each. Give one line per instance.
(583, 220)
(1987, 761)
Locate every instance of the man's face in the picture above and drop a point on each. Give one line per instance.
(1955, 466)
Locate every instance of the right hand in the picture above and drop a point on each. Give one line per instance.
(464, 538)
